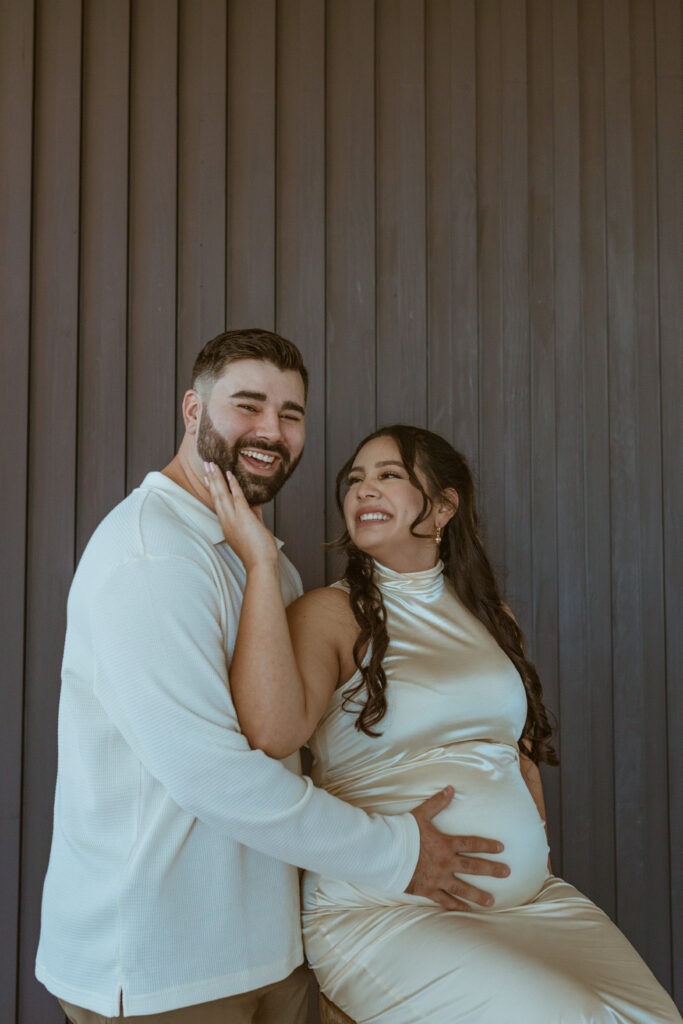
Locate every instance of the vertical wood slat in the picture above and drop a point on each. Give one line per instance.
(654, 936)
(300, 262)
(52, 451)
(252, 63)
(639, 725)
(251, 162)
(514, 327)
(151, 412)
(103, 266)
(598, 636)
(541, 300)
(490, 168)
(577, 740)
(669, 116)
(401, 258)
(451, 154)
(16, 101)
(350, 242)
(201, 183)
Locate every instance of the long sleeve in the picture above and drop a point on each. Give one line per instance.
(161, 676)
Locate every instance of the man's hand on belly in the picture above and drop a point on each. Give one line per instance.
(443, 856)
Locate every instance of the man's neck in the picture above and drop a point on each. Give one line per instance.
(181, 474)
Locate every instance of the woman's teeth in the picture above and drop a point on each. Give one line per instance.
(378, 516)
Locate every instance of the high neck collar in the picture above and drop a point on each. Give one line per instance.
(424, 584)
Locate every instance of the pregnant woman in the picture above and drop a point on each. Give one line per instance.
(406, 676)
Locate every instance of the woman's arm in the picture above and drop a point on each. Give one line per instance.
(278, 705)
(532, 778)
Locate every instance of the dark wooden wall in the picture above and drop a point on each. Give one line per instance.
(468, 214)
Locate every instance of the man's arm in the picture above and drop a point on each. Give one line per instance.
(161, 677)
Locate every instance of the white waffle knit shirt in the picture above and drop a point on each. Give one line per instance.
(170, 880)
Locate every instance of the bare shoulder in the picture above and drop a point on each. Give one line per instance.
(322, 603)
(327, 612)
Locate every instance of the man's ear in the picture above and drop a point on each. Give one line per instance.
(446, 506)
(192, 410)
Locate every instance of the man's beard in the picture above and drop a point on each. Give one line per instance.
(212, 447)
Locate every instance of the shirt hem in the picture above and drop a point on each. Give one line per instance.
(164, 1000)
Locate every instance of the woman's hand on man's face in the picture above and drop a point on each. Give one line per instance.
(242, 526)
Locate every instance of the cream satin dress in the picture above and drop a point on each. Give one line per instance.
(543, 953)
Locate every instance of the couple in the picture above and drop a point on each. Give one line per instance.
(169, 895)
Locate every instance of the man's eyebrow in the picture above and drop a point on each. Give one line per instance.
(295, 407)
(258, 396)
(261, 396)
(385, 462)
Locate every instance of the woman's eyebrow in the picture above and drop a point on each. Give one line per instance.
(385, 462)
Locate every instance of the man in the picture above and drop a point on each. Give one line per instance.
(169, 895)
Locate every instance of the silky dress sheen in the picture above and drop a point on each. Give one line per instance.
(543, 953)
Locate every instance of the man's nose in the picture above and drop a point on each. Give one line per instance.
(268, 425)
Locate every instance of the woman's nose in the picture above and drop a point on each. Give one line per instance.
(368, 489)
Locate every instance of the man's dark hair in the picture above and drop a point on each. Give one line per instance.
(252, 343)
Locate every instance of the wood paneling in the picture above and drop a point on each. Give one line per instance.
(300, 262)
(468, 214)
(669, 116)
(401, 289)
(350, 407)
(597, 641)
(16, 103)
(151, 394)
(544, 635)
(451, 155)
(201, 183)
(103, 266)
(53, 425)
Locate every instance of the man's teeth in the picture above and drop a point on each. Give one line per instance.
(261, 456)
(374, 515)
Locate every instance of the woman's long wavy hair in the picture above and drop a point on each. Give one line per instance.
(466, 566)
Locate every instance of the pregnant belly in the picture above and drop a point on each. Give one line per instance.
(491, 800)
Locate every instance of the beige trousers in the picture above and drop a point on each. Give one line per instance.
(284, 1002)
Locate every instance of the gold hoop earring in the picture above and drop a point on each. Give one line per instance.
(438, 533)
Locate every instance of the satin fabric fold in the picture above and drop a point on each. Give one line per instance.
(543, 954)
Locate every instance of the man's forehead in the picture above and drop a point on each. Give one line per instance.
(257, 376)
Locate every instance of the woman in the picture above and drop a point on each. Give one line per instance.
(406, 676)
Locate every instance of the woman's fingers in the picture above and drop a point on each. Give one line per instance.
(237, 492)
(217, 484)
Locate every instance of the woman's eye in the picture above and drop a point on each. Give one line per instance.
(387, 473)
(352, 480)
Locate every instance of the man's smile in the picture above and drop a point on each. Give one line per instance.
(261, 462)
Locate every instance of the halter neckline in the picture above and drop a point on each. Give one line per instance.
(426, 583)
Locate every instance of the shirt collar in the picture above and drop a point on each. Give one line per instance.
(189, 507)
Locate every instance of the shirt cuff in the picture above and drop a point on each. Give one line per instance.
(408, 835)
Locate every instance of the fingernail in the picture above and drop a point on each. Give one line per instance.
(206, 480)
(206, 466)
(228, 474)
(489, 901)
(448, 791)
